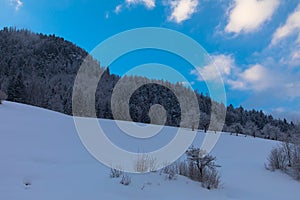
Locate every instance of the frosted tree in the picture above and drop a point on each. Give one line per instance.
(202, 167)
(3, 96)
(271, 131)
(204, 121)
(250, 128)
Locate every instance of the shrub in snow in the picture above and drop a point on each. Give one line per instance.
(199, 160)
(141, 164)
(27, 184)
(277, 159)
(145, 163)
(210, 179)
(126, 180)
(199, 167)
(171, 171)
(115, 173)
(3, 96)
(202, 168)
(183, 168)
(286, 157)
(295, 161)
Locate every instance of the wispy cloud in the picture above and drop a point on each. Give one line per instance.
(221, 64)
(148, 3)
(17, 4)
(257, 78)
(249, 15)
(291, 26)
(107, 15)
(118, 9)
(182, 10)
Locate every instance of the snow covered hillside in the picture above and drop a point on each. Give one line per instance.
(42, 158)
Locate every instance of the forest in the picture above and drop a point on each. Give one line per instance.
(40, 70)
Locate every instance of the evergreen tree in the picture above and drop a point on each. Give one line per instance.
(16, 89)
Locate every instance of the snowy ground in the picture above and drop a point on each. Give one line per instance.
(42, 148)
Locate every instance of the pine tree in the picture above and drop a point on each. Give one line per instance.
(16, 90)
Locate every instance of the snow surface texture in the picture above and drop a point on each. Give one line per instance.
(41, 157)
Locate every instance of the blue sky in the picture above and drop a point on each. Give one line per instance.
(254, 43)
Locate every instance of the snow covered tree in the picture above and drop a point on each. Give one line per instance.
(201, 160)
(40, 70)
(3, 96)
(204, 121)
(16, 89)
(250, 128)
(271, 131)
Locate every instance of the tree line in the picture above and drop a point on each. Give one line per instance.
(40, 70)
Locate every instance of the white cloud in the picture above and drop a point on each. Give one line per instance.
(254, 73)
(17, 4)
(182, 10)
(293, 59)
(249, 15)
(292, 88)
(148, 3)
(291, 26)
(257, 77)
(221, 65)
(106, 15)
(266, 78)
(296, 55)
(118, 9)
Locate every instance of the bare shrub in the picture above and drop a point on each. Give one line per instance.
(27, 183)
(210, 179)
(199, 161)
(126, 180)
(199, 166)
(183, 168)
(295, 161)
(277, 159)
(286, 158)
(115, 173)
(152, 163)
(171, 171)
(141, 164)
(145, 163)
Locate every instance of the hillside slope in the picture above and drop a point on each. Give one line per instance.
(42, 148)
(40, 70)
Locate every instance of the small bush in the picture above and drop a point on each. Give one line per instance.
(27, 183)
(126, 180)
(210, 179)
(171, 171)
(199, 167)
(115, 173)
(296, 162)
(145, 163)
(183, 168)
(141, 164)
(277, 159)
(202, 168)
(286, 158)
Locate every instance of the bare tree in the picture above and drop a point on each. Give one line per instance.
(201, 160)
